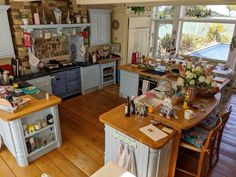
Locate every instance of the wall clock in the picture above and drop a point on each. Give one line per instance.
(115, 24)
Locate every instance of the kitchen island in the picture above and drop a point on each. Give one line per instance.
(18, 129)
(152, 158)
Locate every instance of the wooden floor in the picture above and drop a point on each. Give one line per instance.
(83, 141)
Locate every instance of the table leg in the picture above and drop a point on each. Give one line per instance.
(174, 152)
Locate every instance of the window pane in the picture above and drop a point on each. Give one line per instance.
(206, 40)
(164, 12)
(164, 38)
(211, 11)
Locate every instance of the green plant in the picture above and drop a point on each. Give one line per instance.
(188, 43)
(166, 41)
(24, 15)
(197, 11)
(138, 9)
(216, 33)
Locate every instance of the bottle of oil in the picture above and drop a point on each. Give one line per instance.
(127, 108)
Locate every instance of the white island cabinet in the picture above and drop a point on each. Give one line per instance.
(43, 140)
(151, 158)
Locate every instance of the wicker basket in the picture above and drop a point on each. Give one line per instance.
(192, 91)
(208, 92)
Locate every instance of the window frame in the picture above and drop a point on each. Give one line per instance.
(178, 21)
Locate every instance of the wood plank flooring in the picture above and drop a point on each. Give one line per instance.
(83, 141)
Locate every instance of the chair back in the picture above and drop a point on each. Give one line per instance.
(225, 116)
(213, 134)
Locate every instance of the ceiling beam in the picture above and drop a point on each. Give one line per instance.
(163, 2)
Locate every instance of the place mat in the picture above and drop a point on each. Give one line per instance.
(153, 132)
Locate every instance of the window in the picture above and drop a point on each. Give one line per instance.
(206, 40)
(203, 31)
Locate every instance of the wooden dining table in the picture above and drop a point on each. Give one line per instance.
(208, 107)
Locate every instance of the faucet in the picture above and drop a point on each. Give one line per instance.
(171, 90)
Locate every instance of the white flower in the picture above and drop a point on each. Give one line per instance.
(189, 75)
(189, 64)
(214, 84)
(192, 82)
(193, 70)
(202, 79)
(180, 81)
(199, 69)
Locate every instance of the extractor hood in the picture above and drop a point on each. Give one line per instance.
(172, 2)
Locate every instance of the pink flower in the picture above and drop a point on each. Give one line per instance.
(182, 70)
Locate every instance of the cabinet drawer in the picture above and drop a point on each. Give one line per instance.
(73, 75)
(59, 80)
(74, 87)
(60, 91)
(106, 65)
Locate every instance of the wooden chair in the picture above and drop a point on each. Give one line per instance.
(215, 149)
(203, 151)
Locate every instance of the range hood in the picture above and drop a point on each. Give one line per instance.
(163, 2)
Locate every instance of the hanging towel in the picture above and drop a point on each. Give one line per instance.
(128, 162)
(123, 158)
(119, 153)
(133, 169)
(145, 86)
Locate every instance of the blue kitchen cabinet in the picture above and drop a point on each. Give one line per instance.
(128, 84)
(66, 83)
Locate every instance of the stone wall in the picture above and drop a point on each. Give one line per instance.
(19, 8)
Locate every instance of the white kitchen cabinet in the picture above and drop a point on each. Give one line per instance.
(90, 77)
(108, 73)
(149, 162)
(43, 83)
(6, 45)
(128, 84)
(100, 29)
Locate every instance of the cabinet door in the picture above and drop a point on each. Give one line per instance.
(59, 84)
(128, 84)
(90, 77)
(73, 81)
(95, 33)
(143, 40)
(6, 46)
(104, 29)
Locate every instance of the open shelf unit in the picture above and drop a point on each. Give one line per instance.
(30, 28)
(108, 73)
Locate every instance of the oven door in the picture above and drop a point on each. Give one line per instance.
(152, 84)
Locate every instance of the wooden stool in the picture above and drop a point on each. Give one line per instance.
(203, 151)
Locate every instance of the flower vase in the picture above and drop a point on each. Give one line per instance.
(191, 92)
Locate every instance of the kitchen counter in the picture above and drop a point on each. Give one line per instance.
(102, 61)
(131, 125)
(34, 106)
(18, 129)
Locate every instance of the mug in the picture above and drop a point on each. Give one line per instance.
(189, 114)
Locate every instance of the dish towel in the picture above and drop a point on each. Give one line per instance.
(124, 158)
(145, 86)
(131, 165)
(119, 153)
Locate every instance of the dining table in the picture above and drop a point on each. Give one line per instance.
(209, 106)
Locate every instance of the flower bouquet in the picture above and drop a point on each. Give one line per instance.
(197, 80)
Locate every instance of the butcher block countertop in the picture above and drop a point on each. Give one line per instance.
(168, 76)
(34, 106)
(131, 125)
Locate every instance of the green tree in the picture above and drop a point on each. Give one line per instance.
(188, 43)
(231, 8)
(166, 41)
(216, 33)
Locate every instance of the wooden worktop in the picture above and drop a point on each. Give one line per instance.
(131, 125)
(209, 105)
(168, 76)
(103, 61)
(34, 106)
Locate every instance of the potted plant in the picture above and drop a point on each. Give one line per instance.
(197, 80)
(25, 19)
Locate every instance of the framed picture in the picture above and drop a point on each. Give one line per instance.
(115, 48)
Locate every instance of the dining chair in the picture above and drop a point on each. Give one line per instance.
(215, 149)
(203, 150)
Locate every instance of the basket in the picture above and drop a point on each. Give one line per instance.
(192, 92)
(208, 91)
